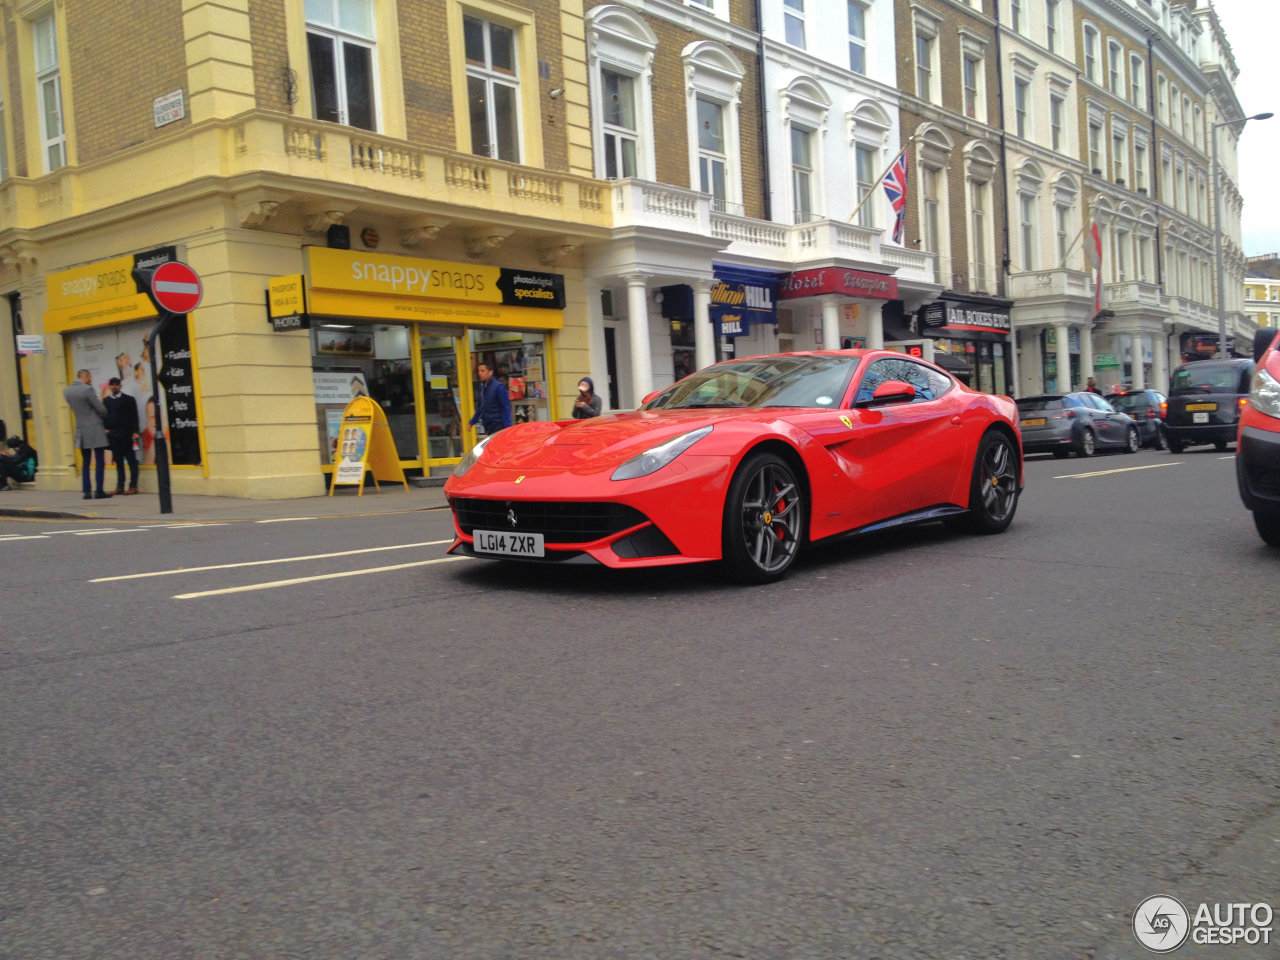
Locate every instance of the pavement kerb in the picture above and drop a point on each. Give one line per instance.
(29, 504)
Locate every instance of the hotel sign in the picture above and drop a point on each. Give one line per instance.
(851, 283)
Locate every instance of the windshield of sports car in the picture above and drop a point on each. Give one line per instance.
(789, 381)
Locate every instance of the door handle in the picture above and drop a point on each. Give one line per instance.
(956, 420)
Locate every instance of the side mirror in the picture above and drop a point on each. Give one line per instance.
(649, 396)
(1261, 340)
(892, 391)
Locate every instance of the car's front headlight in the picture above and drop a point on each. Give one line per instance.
(472, 457)
(655, 458)
(1264, 393)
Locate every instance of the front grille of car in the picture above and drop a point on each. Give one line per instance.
(557, 521)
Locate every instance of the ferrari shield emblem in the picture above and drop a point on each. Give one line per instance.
(847, 422)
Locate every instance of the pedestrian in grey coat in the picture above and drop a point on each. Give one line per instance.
(91, 432)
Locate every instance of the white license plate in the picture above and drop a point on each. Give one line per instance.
(509, 544)
(1200, 418)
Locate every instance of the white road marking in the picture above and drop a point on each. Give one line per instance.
(95, 533)
(259, 563)
(17, 536)
(284, 520)
(323, 576)
(1103, 473)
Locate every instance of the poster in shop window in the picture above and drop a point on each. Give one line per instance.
(120, 351)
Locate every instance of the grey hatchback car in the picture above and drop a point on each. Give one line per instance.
(1060, 423)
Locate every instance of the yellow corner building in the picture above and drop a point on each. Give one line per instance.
(375, 195)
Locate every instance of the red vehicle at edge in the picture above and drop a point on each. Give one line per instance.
(1258, 439)
(744, 462)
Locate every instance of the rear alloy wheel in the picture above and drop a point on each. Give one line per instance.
(763, 519)
(1268, 525)
(993, 493)
(1087, 444)
(1133, 442)
(1159, 442)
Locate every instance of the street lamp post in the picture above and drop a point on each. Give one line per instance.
(1217, 224)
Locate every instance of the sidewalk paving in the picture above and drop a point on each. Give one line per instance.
(33, 503)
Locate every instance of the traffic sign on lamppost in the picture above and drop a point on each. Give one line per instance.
(176, 290)
(1217, 225)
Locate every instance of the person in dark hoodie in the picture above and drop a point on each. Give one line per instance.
(588, 404)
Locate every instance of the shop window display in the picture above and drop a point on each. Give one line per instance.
(518, 360)
(441, 397)
(348, 360)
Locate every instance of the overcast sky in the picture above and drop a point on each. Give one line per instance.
(1253, 27)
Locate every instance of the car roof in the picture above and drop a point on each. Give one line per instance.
(1233, 361)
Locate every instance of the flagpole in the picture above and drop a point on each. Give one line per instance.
(879, 180)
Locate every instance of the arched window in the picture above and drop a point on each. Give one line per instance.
(869, 126)
(933, 151)
(804, 109)
(1030, 180)
(620, 59)
(713, 81)
(980, 166)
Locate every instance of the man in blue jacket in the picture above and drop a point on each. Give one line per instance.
(493, 406)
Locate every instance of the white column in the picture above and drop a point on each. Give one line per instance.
(1063, 352)
(597, 361)
(1031, 363)
(1086, 353)
(874, 312)
(704, 346)
(1160, 363)
(641, 351)
(1139, 348)
(1015, 374)
(831, 323)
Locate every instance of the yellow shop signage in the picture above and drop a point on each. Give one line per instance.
(93, 283)
(347, 271)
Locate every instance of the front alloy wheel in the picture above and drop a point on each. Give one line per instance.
(1087, 444)
(1133, 442)
(763, 519)
(993, 493)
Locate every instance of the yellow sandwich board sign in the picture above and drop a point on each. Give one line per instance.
(365, 443)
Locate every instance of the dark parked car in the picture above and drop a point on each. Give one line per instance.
(1084, 422)
(1205, 400)
(1147, 407)
(1258, 444)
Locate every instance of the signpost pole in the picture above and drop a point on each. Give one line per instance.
(175, 290)
(161, 444)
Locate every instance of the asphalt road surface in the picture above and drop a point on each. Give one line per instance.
(218, 743)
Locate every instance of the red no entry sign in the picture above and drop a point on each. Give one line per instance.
(176, 287)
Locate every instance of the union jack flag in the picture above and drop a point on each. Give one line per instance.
(895, 185)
